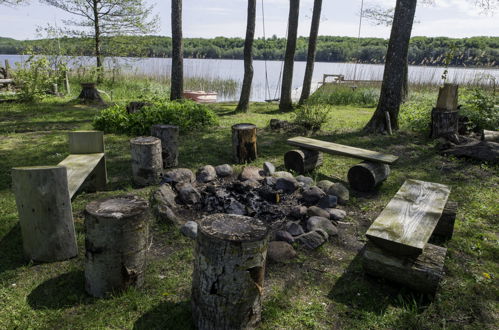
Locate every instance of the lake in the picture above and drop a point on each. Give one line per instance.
(270, 72)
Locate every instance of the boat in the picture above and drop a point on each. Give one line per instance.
(201, 96)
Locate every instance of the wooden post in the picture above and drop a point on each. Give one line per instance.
(168, 134)
(147, 163)
(7, 69)
(445, 116)
(55, 89)
(116, 244)
(90, 94)
(302, 161)
(229, 268)
(67, 86)
(367, 175)
(45, 214)
(244, 143)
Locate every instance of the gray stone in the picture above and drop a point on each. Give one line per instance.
(268, 168)
(188, 194)
(163, 205)
(312, 195)
(317, 211)
(270, 181)
(336, 214)
(282, 235)
(245, 186)
(224, 170)
(279, 251)
(206, 174)
(312, 240)
(339, 191)
(324, 184)
(287, 185)
(178, 175)
(235, 207)
(298, 211)
(294, 229)
(315, 223)
(328, 201)
(251, 173)
(190, 229)
(282, 174)
(306, 180)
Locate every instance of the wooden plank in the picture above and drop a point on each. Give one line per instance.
(407, 222)
(79, 168)
(339, 149)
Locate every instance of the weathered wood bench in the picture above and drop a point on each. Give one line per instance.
(398, 247)
(43, 196)
(364, 176)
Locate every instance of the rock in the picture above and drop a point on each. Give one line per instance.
(282, 235)
(328, 201)
(282, 174)
(206, 174)
(339, 191)
(312, 240)
(163, 204)
(294, 229)
(245, 186)
(287, 185)
(336, 214)
(306, 180)
(190, 229)
(270, 181)
(317, 211)
(315, 223)
(298, 212)
(178, 175)
(312, 195)
(224, 170)
(324, 184)
(279, 251)
(188, 194)
(235, 207)
(251, 173)
(268, 168)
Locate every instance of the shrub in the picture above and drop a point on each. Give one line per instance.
(479, 106)
(186, 114)
(312, 117)
(344, 95)
(415, 113)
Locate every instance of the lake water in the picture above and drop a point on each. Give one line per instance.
(267, 75)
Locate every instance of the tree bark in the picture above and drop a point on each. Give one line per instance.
(443, 123)
(395, 64)
(177, 80)
(367, 175)
(312, 45)
(243, 104)
(97, 40)
(168, 134)
(147, 163)
(302, 161)
(285, 103)
(90, 94)
(116, 244)
(244, 143)
(229, 268)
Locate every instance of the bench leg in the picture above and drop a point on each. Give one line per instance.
(45, 214)
(445, 226)
(366, 176)
(97, 180)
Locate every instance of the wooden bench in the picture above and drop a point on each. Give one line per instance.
(43, 196)
(364, 176)
(398, 247)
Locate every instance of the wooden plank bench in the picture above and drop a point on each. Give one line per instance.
(364, 176)
(398, 247)
(43, 196)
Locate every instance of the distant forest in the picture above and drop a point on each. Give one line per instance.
(474, 51)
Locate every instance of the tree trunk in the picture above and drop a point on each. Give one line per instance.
(116, 244)
(90, 94)
(168, 134)
(229, 268)
(100, 73)
(395, 64)
(244, 143)
(285, 103)
(405, 82)
(243, 104)
(312, 45)
(367, 175)
(177, 81)
(302, 161)
(147, 163)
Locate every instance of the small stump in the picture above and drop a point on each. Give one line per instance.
(367, 175)
(302, 161)
(116, 243)
(229, 268)
(445, 116)
(168, 134)
(90, 94)
(147, 162)
(244, 143)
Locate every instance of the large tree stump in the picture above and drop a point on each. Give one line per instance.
(229, 268)
(244, 143)
(90, 94)
(45, 215)
(302, 161)
(367, 175)
(147, 163)
(116, 244)
(445, 116)
(168, 134)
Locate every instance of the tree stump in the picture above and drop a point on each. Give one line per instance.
(90, 94)
(229, 269)
(244, 143)
(447, 97)
(168, 134)
(135, 106)
(45, 215)
(147, 163)
(302, 161)
(116, 244)
(445, 116)
(367, 175)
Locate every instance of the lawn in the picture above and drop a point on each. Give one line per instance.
(323, 289)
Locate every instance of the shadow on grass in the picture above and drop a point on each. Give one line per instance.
(24, 127)
(167, 315)
(11, 250)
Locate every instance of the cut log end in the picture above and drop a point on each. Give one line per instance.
(117, 207)
(232, 227)
(302, 161)
(244, 143)
(366, 176)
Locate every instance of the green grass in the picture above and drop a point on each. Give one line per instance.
(323, 289)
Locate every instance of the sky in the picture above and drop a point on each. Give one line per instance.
(211, 18)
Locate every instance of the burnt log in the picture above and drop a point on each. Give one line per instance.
(479, 150)
(244, 143)
(302, 161)
(116, 244)
(229, 268)
(366, 176)
(90, 94)
(168, 134)
(147, 162)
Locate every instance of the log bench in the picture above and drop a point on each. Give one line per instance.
(363, 177)
(398, 247)
(43, 196)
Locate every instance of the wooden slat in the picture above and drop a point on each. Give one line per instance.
(339, 149)
(79, 168)
(407, 222)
